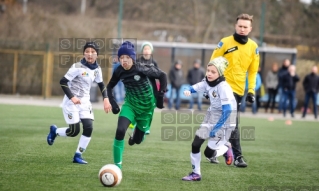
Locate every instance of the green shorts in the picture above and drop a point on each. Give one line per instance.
(142, 120)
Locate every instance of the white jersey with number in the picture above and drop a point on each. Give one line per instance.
(80, 81)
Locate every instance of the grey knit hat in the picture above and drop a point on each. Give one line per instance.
(220, 63)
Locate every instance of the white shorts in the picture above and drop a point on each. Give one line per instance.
(74, 113)
(209, 123)
(222, 134)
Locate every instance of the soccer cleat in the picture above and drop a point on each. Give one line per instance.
(147, 132)
(229, 156)
(52, 134)
(213, 160)
(239, 162)
(78, 159)
(131, 140)
(192, 177)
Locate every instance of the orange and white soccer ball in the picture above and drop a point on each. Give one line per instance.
(110, 175)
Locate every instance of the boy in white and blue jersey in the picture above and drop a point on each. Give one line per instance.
(76, 104)
(220, 119)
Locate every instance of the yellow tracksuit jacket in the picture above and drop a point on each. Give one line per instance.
(242, 58)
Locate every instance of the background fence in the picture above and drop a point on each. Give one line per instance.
(35, 68)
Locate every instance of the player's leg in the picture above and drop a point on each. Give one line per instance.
(118, 144)
(219, 145)
(201, 135)
(126, 117)
(235, 139)
(71, 118)
(195, 155)
(87, 117)
(138, 136)
(84, 141)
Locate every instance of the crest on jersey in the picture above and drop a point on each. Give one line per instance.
(220, 44)
(70, 115)
(137, 77)
(214, 94)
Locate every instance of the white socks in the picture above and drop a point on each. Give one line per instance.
(61, 131)
(195, 160)
(83, 143)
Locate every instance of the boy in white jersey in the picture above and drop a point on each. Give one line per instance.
(220, 119)
(76, 104)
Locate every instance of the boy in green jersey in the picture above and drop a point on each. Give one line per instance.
(140, 100)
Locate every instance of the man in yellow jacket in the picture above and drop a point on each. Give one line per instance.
(243, 56)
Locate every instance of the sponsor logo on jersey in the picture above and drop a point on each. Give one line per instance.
(95, 73)
(137, 77)
(220, 44)
(231, 50)
(85, 74)
(70, 115)
(257, 51)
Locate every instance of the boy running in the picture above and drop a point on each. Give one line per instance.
(219, 121)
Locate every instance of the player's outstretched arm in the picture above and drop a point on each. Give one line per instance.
(106, 102)
(109, 88)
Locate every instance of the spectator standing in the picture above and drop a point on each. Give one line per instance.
(311, 87)
(195, 75)
(272, 85)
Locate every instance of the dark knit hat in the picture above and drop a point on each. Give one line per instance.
(91, 45)
(127, 48)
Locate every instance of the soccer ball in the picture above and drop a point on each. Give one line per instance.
(110, 175)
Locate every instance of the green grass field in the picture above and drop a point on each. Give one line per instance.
(280, 156)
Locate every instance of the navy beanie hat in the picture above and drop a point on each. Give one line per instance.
(91, 45)
(127, 48)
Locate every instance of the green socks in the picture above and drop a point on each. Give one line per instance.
(118, 148)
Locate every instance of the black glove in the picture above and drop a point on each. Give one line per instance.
(205, 95)
(115, 107)
(160, 100)
(250, 98)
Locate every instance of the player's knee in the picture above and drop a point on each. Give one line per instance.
(87, 127)
(73, 130)
(196, 144)
(122, 126)
(209, 153)
(120, 133)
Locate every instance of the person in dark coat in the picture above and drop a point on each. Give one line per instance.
(176, 78)
(289, 81)
(311, 87)
(195, 75)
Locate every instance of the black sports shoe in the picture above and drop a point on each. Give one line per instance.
(213, 160)
(240, 162)
(131, 141)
